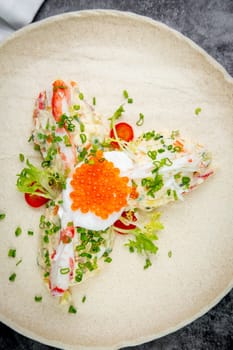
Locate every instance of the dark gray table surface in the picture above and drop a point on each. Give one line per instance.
(210, 24)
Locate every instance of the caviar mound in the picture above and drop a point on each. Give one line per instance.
(98, 187)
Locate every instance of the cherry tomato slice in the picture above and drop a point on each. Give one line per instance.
(124, 132)
(35, 201)
(121, 225)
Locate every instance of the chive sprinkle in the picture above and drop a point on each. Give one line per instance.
(175, 195)
(2, 216)
(18, 231)
(38, 298)
(130, 100)
(36, 147)
(83, 138)
(46, 239)
(21, 157)
(147, 263)
(18, 262)
(30, 233)
(108, 259)
(72, 309)
(140, 120)
(64, 271)
(169, 254)
(197, 110)
(82, 127)
(94, 101)
(84, 299)
(76, 107)
(12, 253)
(125, 94)
(186, 180)
(12, 277)
(81, 96)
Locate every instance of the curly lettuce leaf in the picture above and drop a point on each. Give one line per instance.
(45, 182)
(143, 241)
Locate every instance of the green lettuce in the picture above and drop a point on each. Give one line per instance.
(46, 182)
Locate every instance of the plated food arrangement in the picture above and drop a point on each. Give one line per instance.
(116, 190)
(98, 180)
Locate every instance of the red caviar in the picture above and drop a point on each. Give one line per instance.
(98, 187)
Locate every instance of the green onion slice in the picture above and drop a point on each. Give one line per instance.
(140, 120)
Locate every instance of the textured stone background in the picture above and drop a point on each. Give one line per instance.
(210, 24)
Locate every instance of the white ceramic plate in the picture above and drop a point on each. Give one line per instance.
(168, 76)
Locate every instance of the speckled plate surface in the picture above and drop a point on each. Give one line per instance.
(168, 76)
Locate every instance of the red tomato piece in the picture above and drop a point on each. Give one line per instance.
(121, 225)
(124, 132)
(35, 200)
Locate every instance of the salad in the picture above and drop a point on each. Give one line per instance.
(98, 180)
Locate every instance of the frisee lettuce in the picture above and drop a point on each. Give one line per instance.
(46, 182)
(143, 242)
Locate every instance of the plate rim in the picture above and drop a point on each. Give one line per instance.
(226, 76)
(118, 13)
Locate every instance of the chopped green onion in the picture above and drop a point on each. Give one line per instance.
(177, 176)
(130, 100)
(46, 239)
(84, 299)
(12, 277)
(125, 94)
(108, 259)
(21, 157)
(83, 138)
(175, 195)
(66, 122)
(47, 258)
(18, 262)
(79, 275)
(38, 298)
(36, 147)
(140, 120)
(46, 274)
(169, 254)
(169, 192)
(18, 231)
(72, 309)
(167, 161)
(76, 107)
(82, 127)
(67, 141)
(2, 216)
(147, 264)
(81, 96)
(186, 180)
(12, 253)
(117, 114)
(177, 149)
(94, 101)
(197, 110)
(45, 163)
(30, 233)
(152, 154)
(64, 271)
